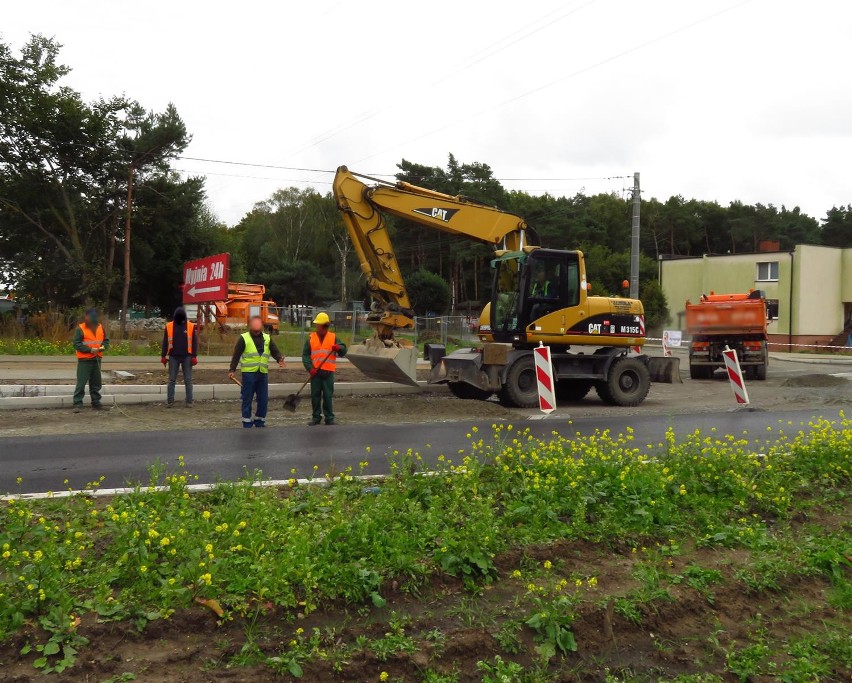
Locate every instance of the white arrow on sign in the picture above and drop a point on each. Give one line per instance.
(192, 291)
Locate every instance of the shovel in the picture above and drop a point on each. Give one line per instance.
(292, 401)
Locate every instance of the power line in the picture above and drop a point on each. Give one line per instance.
(468, 63)
(562, 79)
(255, 165)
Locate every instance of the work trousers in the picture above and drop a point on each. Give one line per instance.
(322, 391)
(88, 372)
(184, 364)
(255, 384)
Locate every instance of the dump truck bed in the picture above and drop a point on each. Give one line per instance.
(721, 318)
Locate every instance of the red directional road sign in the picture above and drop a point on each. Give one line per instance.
(206, 279)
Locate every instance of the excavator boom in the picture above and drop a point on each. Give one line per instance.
(362, 207)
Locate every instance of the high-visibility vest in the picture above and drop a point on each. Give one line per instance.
(320, 349)
(252, 360)
(92, 339)
(541, 288)
(170, 336)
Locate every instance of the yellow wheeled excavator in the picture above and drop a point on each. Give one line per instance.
(539, 296)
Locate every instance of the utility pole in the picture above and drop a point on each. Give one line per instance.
(634, 247)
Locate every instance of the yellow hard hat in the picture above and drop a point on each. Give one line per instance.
(322, 319)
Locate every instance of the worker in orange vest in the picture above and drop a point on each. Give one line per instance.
(180, 352)
(90, 341)
(319, 357)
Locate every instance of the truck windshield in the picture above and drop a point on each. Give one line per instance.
(507, 294)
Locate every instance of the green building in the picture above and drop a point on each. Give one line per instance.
(808, 290)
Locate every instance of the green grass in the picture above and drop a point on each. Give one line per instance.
(142, 556)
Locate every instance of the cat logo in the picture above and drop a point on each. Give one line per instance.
(435, 212)
(594, 328)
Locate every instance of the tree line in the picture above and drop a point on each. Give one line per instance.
(92, 211)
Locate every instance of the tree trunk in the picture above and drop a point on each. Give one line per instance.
(125, 294)
(110, 262)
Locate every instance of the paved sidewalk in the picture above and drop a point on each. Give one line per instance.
(17, 396)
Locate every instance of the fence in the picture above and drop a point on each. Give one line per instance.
(351, 326)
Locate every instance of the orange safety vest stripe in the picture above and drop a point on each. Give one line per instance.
(320, 349)
(90, 338)
(170, 335)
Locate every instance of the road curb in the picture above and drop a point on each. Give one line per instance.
(54, 398)
(812, 361)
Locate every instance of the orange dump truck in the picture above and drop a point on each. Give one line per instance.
(244, 301)
(737, 321)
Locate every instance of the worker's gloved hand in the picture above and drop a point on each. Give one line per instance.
(194, 361)
(163, 360)
(314, 372)
(337, 348)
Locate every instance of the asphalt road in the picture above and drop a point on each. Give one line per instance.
(45, 462)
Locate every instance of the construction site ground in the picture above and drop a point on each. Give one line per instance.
(791, 385)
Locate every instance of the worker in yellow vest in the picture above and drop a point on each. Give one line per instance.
(252, 352)
(319, 357)
(179, 352)
(90, 341)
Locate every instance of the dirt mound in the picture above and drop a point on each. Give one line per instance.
(814, 381)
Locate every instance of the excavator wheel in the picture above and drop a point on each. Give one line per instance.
(468, 391)
(521, 387)
(628, 383)
(572, 390)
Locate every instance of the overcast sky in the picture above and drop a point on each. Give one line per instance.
(720, 99)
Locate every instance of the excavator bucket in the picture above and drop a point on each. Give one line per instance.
(385, 361)
(665, 370)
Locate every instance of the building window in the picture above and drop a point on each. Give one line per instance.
(772, 309)
(767, 271)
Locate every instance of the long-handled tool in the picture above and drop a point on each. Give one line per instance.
(237, 382)
(292, 401)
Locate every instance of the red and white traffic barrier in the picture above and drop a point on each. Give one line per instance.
(735, 375)
(544, 377)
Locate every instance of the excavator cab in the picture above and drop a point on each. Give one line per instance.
(530, 285)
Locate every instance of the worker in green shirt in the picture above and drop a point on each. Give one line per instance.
(90, 341)
(319, 357)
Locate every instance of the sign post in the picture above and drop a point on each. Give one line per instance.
(544, 377)
(735, 375)
(206, 279)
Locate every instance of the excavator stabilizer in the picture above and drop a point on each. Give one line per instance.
(385, 361)
(664, 370)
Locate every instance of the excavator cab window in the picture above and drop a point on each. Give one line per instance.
(553, 283)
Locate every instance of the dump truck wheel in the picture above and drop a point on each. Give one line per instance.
(700, 372)
(468, 391)
(628, 383)
(572, 389)
(521, 388)
(760, 371)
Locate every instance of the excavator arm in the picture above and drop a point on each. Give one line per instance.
(362, 207)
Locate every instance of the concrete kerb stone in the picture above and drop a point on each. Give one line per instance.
(204, 392)
(792, 358)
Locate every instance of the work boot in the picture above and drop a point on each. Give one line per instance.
(330, 423)
(100, 406)
(314, 423)
(259, 423)
(189, 404)
(78, 409)
(170, 404)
